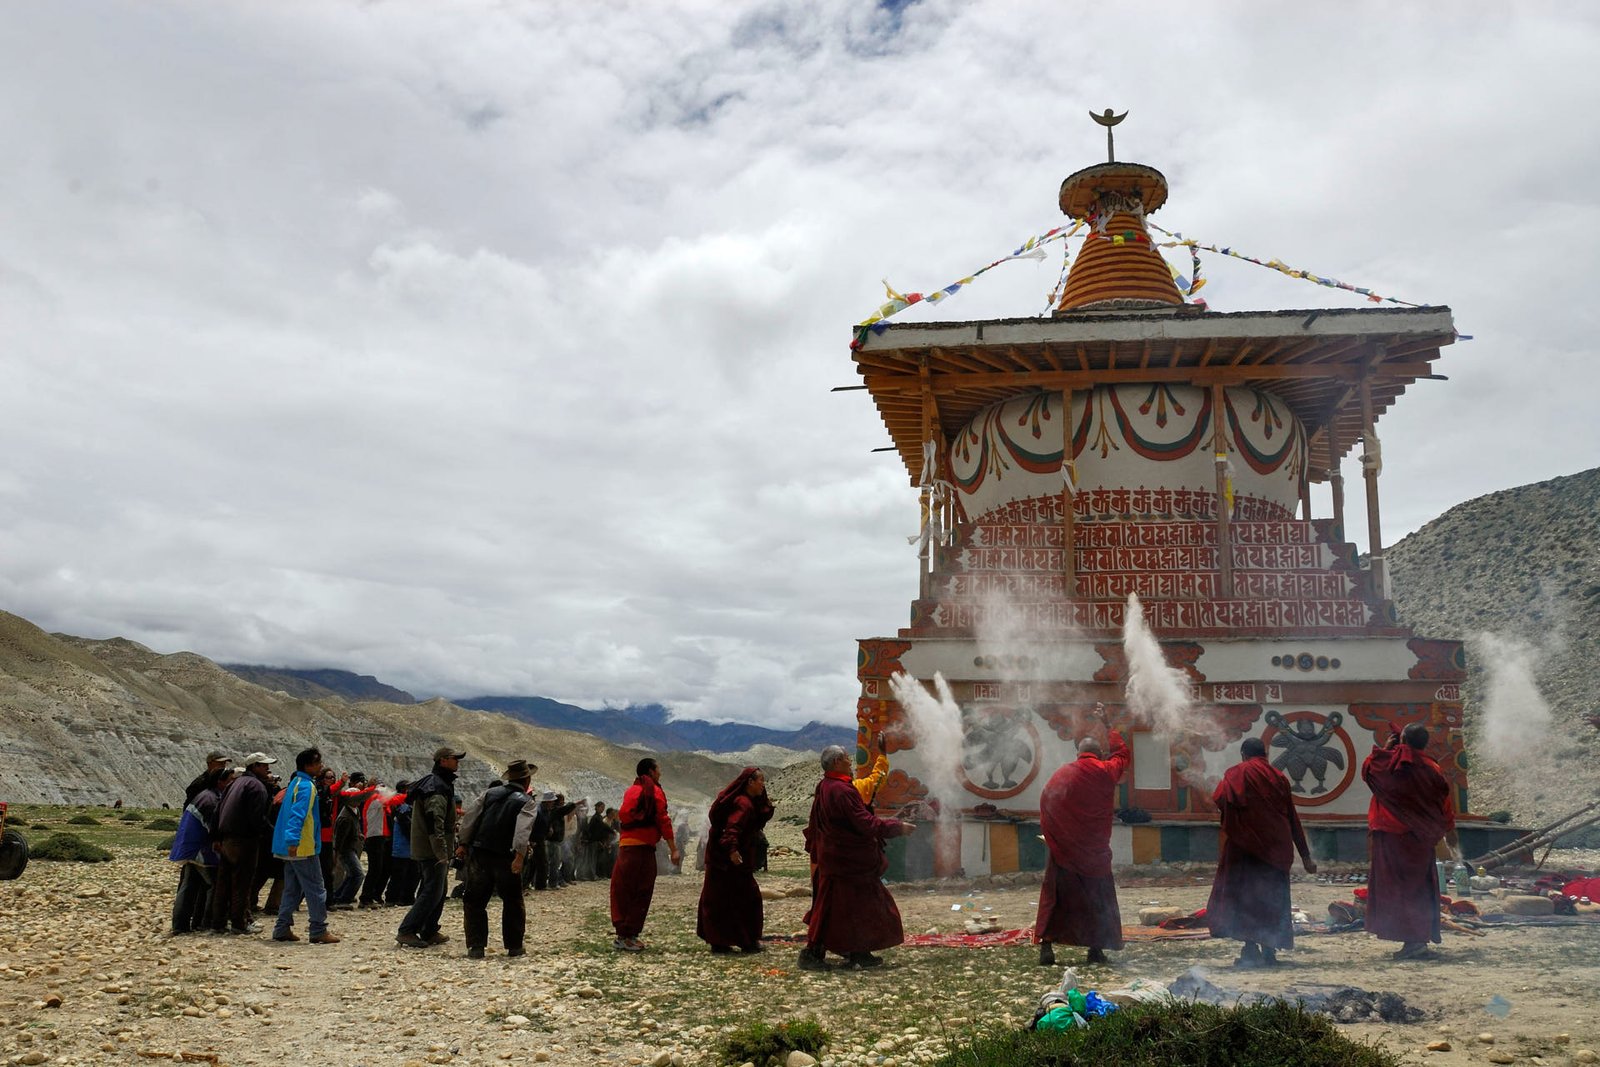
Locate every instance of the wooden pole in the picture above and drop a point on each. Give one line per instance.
(1219, 448)
(1370, 458)
(1069, 565)
(926, 554)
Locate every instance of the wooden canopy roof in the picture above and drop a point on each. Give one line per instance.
(1313, 360)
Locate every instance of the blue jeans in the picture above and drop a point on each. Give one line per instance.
(302, 880)
(423, 918)
(345, 892)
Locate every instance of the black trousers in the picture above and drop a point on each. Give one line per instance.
(235, 884)
(491, 875)
(192, 906)
(377, 870)
(402, 880)
(540, 875)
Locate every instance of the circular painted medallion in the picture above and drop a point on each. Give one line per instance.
(1000, 751)
(1314, 751)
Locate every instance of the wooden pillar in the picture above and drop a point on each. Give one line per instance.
(925, 585)
(1335, 477)
(1370, 459)
(1219, 448)
(1069, 537)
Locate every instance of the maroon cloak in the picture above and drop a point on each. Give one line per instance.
(851, 910)
(730, 901)
(1261, 832)
(1411, 811)
(1078, 901)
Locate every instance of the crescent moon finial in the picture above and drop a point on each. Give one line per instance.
(1108, 119)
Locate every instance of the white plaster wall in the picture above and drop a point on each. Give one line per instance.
(975, 848)
(1360, 659)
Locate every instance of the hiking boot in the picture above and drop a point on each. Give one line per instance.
(621, 945)
(1097, 955)
(1047, 954)
(863, 960)
(722, 950)
(251, 928)
(287, 935)
(438, 937)
(410, 941)
(811, 960)
(1269, 956)
(514, 952)
(325, 938)
(474, 953)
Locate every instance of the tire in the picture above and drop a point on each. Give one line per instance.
(13, 855)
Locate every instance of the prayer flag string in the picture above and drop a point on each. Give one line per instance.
(1032, 248)
(1194, 247)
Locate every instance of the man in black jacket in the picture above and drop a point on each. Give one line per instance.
(494, 837)
(243, 827)
(433, 841)
(207, 778)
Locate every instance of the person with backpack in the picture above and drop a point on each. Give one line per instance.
(402, 887)
(495, 832)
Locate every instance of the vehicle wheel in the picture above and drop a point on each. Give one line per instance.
(13, 855)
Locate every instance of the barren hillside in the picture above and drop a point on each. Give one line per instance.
(86, 721)
(1522, 565)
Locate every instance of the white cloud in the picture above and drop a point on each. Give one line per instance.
(489, 349)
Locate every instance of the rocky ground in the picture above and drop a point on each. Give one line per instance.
(88, 975)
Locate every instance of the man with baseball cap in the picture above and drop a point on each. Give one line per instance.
(243, 827)
(215, 761)
(433, 843)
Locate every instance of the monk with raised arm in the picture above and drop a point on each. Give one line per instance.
(1261, 833)
(1411, 811)
(1078, 901)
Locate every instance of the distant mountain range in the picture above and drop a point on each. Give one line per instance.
(650, 725)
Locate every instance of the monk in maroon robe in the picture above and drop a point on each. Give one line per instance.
(1260, 834)
(851, 913)
(1078, 901)
(730, 901)
(1411, 811)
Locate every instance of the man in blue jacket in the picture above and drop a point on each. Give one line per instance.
(297, 839)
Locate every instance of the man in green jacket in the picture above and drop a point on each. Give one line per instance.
(433, 844)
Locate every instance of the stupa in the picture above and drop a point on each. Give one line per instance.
(1133, 442)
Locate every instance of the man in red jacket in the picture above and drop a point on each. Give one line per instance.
(633, 879)
(1411, 811)
(1078, 901)
(1261, 832)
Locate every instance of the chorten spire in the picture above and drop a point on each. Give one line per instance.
(1108, 119)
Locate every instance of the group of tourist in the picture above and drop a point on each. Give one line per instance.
(348, 842)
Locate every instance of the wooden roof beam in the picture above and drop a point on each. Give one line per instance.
(947, 383)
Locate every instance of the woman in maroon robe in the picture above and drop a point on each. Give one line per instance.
(1411, 811)
(730, 901)
(1078, 901)
(851, 912)
(1261, 832)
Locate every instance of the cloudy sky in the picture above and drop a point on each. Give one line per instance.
(486, 347)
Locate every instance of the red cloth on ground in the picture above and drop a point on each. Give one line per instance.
(730, 910)
(1078, 901)
(1410, 794)
(1261, 833)
(633, 884)
(1583, 887)
(851, 911)
(1403, 888)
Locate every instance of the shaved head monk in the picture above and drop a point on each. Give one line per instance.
(1261, 832)
(1411, 811)
(1078, 901)
(851, 913)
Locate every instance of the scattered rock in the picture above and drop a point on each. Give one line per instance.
(1157, 916)
(1486, 1038)
(799, 1059)
(1438, 1046)
(1562, 1039)
(1584, 1055)
(1501, 1056)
